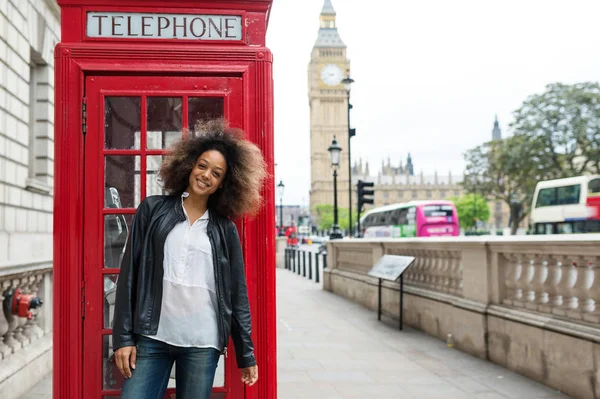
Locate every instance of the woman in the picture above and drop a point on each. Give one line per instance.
(182, 288)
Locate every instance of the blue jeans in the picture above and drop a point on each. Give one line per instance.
(194, 374)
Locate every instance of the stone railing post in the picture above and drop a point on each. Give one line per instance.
(5, 350)
(567, 287)
(332, 264)
(593, 312)
(540, 281)
(378, 251)
(551, 285)
(527, 282)
(583, 285)
(20, 330)
(456, 271)
(28, 325)
(32, 328)
(511, 269)
(46, 310)
(9, 338)
(476, 272)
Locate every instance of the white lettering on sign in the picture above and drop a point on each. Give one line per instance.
(163, 26)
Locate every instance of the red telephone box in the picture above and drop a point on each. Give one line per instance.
(132, 76)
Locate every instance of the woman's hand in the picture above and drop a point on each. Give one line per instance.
(250, 375)
(125, 359)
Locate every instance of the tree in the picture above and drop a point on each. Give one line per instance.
(325, 217)
(563, 124)
(556, 135)
(471, 208)
(506, 170)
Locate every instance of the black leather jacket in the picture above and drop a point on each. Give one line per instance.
(139, 288)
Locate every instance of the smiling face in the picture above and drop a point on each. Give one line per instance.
(207, 174)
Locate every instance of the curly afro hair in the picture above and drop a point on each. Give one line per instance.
(246, 168)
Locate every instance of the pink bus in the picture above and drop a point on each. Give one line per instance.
(411, 219)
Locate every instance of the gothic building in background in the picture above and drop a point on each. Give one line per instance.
(398, 183)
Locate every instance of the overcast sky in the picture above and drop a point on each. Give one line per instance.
(430, 75)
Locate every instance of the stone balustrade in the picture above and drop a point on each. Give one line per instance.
(561, 280)
(529, 303)
(24, 342)
(436, 268)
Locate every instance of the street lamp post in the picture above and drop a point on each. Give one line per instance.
(280, 188)
(475, 181)
(347, 81)
(334, 156)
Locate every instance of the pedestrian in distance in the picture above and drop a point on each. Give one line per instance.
(181, 291)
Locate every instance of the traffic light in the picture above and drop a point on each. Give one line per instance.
(365, 196)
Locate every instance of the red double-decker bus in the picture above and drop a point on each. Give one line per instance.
(566, 206)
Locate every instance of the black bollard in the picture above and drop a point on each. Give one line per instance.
(293, 258)
(316, 268)
(299, 265)
(310, 265)
(303, 263)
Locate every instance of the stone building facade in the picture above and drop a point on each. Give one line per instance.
(29, 31)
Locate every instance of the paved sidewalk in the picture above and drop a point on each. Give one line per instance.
(331, 348)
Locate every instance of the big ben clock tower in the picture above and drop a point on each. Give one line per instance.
(328, 111)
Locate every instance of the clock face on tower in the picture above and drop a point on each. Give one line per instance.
(332, 75)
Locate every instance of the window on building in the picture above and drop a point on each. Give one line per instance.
(41, 126)
(415, 194)
(429, 194)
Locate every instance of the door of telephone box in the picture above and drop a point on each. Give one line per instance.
(131, 121)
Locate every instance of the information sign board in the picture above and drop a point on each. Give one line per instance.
(391, 267)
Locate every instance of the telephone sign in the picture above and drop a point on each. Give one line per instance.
(163, 26)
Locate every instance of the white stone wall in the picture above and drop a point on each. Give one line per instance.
(29, 30)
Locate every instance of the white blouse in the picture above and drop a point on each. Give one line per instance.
(189, 303)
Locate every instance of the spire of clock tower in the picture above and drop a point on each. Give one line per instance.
(328, 8)
(328, 33)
